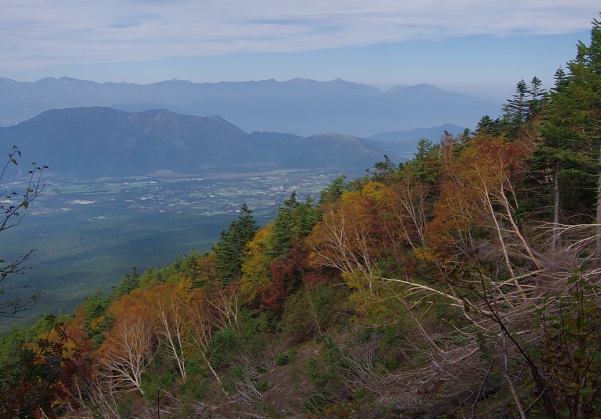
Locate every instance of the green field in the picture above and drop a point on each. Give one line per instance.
(88, 234)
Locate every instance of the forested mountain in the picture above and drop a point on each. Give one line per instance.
(465, 282)
(96, 141)
(303, 107)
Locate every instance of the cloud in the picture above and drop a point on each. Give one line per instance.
(36, 33)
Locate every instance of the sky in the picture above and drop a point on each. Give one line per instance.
(480, 47)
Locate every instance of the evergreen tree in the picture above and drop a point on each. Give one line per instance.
(557, 157)
(570, 130)
(334, 191)
(383, 170)
(536, 97)
(425, 165)
(129, 282)
(585, 85)
(283, 228)
(523, 108)
(308, 216)
(96, 319)
(294, 220)
(229, 250)
(516, 110)
(490, 126)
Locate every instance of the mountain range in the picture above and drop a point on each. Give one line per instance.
(299, 106)
(101, 141)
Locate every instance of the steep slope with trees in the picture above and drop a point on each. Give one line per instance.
(437, 287)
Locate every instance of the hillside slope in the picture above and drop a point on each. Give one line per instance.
(99, 141)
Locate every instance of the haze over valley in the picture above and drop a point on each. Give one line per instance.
(138, 188)
(298, 106)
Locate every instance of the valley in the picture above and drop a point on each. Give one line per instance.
(88, 233)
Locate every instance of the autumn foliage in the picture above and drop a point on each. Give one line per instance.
(456, 283)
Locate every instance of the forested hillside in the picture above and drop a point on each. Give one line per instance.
(462, 283)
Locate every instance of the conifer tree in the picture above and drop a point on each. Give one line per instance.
(334, 191)
(129, 282)
(536, 97)
(283, 228)
(519, 111)
(516, 109)
(585, 85)
(490, 126)
(571, 135)
(229, 250)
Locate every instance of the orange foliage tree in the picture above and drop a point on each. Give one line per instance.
(479, 202)
(130, 344)
(362, 232)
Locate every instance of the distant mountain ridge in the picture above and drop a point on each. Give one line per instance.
(100, 141)
(300, 106)
(415, 134)
(403, 144)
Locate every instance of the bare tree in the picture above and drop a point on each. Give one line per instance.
(13, 203)
(171, 326)
(126, 353)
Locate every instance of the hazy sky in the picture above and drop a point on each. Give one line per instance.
(482, 47)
